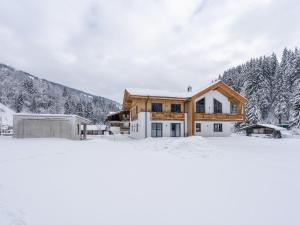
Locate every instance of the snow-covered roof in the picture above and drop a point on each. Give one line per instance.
(266, 125)
(170, 94)
(49, 115)
(157, 93)
(113, 113)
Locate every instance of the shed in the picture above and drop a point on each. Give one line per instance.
(96, 129)
(264, 130)
(49, 126)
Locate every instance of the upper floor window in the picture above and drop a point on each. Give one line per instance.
(200, 106)
(156, 107)
(176, 108)
(217, 106)
(233, 108)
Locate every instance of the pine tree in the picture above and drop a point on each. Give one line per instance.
(79, 109)
(19, 103)
(253, 113)
(88, 112)
(295, 112)
(67, 107)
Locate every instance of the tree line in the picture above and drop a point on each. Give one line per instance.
(272, 87)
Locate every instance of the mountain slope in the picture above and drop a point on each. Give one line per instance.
(24, 92)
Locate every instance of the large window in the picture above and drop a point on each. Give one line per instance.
(198, 127)
(217, 106)
(156, 107)
(200, 106)
(176, 108)
(156, 130)
(218, 127)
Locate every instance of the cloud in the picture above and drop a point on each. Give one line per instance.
(103, 47)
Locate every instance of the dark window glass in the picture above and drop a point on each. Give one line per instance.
(176, 108)
(175, 130)
(218, 127)
(233, 108)
(200, 106)
(198, 127)
(217, 106)
(156, 129)
(156, 107)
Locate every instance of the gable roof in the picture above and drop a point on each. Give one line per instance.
(216, 86)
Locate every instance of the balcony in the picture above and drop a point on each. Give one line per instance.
(219, 117)
(167, 116)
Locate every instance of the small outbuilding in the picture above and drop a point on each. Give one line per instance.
(49, 126)
(268, 130)
(96, 129)
(118, 122)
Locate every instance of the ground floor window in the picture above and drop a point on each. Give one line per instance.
(218, 127)
(156, 129)
(198, 127)
(175, 129)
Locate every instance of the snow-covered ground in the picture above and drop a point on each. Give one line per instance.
(183, 181)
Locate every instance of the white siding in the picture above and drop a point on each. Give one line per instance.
(209, 101)
(141, 123)
(207, 129)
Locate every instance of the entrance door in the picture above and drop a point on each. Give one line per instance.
(175, 129)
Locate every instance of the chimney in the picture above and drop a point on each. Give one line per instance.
(189, 88)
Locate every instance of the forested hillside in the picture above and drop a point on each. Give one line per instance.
(24, 92)
(272, 87)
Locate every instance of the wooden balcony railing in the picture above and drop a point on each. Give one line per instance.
(167, 116)
(219, 117)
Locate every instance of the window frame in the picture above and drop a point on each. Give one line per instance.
(197, 131)
(156, 129)
(176, 105)
(157, 104)
(232, 105)
(218, 106)
(218, 127)
(198, 109)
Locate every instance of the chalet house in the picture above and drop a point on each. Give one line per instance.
(210, 111)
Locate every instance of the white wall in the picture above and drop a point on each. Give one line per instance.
(209, 101)
(142, 126)
(207, 129)
(140, 122)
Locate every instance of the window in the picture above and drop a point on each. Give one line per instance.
(176, 108)
(218, 127)
(136, 110)
(233, 108)
(198, 127)
(137, 127)
(200, 106)
(156, 130)
(156, 107)
(175, 129)
(217, 106)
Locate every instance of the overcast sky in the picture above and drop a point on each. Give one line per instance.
(105, 46)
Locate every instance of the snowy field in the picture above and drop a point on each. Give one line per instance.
(186, 181)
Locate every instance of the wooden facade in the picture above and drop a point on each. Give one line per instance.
(143, 103)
